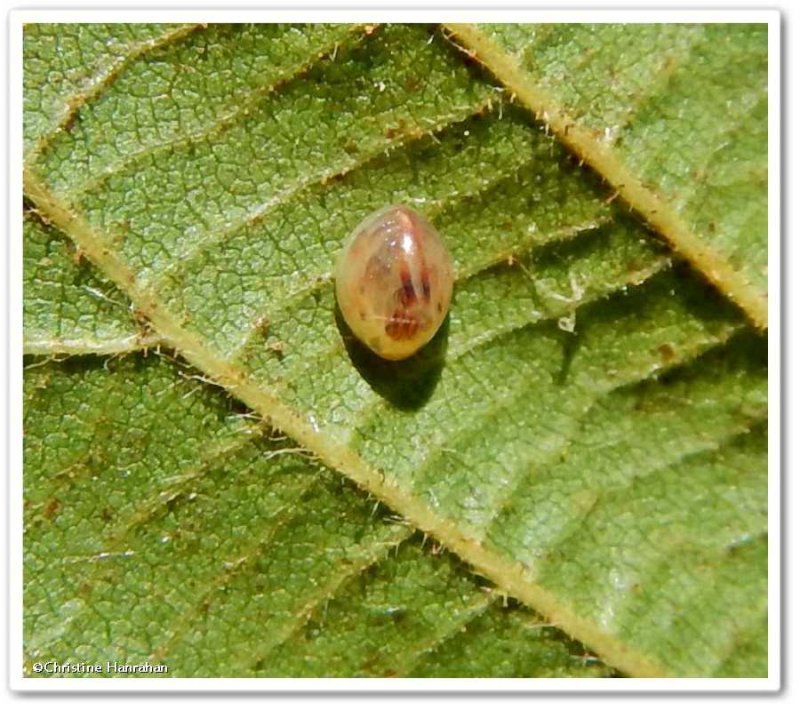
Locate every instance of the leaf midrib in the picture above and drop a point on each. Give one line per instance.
(507, 575)
(282, 415)
(653, 207)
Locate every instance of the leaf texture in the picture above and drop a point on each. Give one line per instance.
(215, 546)
(673, 115)
(587, 431)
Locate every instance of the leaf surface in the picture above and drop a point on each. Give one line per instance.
(587, 431)
(674, 116)
(214, 546)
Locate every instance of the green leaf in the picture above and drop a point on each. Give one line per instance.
(68, 308)
(218, 548)
(587, 431)
(673, 116)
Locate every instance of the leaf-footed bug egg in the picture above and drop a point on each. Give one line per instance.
(394, 281)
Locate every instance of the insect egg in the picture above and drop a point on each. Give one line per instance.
(394, 281)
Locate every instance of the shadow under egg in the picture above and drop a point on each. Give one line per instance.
(406, 384)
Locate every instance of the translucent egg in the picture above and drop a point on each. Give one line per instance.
(394, 281)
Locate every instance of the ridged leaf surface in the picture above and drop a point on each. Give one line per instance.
(587, 433)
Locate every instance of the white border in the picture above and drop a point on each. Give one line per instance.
(774, 344)
(423, 14)
(419, 14)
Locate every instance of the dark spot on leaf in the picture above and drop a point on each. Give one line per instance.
(72, 120)
(393, 132)
(52, 507)
(412, 84)
(175, 501)
(667, 352)
(312, 629)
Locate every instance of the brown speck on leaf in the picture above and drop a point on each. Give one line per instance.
(667, 352)
(139, 316)
(69, 124)
(412, 84)
(393, 131)
(78, 256)
(52, 507)
(261, 325)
